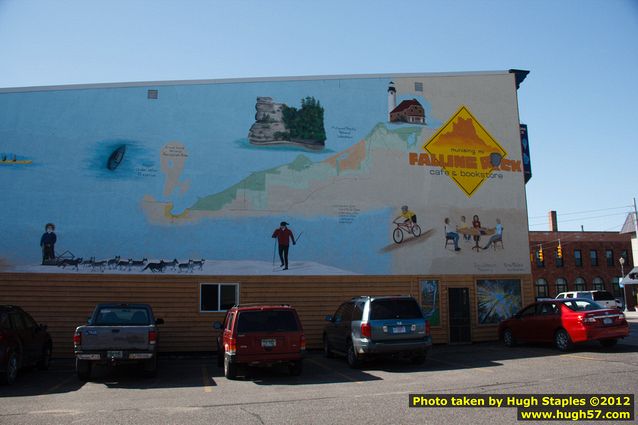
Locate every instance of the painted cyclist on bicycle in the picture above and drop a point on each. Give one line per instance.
(407, 225)
(408, 216)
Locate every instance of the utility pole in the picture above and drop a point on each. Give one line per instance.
(628, 292)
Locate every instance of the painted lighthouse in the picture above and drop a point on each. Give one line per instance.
(408, 111)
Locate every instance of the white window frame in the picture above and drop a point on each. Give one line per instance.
(219, 293)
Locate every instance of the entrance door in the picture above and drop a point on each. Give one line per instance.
(459, 315)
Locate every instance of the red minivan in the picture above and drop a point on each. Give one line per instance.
(261, 335)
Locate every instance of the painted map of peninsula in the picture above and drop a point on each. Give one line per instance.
(370, 174)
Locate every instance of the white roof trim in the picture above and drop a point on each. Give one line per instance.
(243, 80)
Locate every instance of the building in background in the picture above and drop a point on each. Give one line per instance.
(578, 261)
(630, 275)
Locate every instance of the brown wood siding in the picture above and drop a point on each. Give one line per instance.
(64, 301)
(315, 300)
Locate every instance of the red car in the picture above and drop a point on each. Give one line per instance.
(565, 322)
(23, 342)
(260, 336)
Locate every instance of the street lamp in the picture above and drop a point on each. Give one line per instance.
(621, 260)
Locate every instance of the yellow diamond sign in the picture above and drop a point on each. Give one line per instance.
(465, 150)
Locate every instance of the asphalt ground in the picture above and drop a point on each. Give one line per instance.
(192, 390)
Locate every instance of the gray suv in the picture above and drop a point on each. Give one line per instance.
(367, 326)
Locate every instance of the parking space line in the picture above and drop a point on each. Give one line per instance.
(334, 371)
(60, 384)
(583, 357)
(464, 366)
(207, 384)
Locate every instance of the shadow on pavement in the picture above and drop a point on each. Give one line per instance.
(200, 370)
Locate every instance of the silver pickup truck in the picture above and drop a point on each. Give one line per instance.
(117, 333)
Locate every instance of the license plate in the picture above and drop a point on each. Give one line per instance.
(607, 321)
(268, 343)
(398, 330)
(114, 354)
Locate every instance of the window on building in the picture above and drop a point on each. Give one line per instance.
(541, 288)
(578, 258)
(593, 256)
(152, 94)
(558, 260)
(609, 257)
(615, 288)
(561, 285)
(598, 284)
(218, 296)
(579, 284)
(418, 86)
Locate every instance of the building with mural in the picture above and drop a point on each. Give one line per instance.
(195, 195)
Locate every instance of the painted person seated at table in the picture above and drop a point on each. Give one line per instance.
(452, 233)
(498, 235)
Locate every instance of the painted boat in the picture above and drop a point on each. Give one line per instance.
(15, 162)
(116, 158)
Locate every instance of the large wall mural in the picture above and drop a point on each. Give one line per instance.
(362, 175)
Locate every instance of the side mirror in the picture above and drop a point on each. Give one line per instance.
(328, 318)
(88, 321)
(217, 326)
(159, 321)
(517, 316)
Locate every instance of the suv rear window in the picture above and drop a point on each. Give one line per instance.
(395, 309)
(266, 321)
(583, 305)
(122, 316)
(603, 296)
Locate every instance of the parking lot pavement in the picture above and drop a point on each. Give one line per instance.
(191, 389)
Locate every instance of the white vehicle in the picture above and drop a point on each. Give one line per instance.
(603, 298)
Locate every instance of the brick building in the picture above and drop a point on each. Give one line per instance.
(589, 261)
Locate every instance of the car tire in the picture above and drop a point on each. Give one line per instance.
(296, 368)
(353, 359)
(45, 360)
(149, 367)
(562, 340)
(230, 369)
(607, 343)
(327, 351)
(83, 369)
(508, 338)
(11, 370)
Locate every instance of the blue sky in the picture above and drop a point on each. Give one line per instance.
(578, 101)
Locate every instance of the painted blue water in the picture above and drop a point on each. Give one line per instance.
(70, 134)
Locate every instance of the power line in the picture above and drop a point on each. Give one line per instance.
(580, 219)
(586, 211)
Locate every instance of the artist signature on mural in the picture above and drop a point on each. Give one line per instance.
(514, 267)
(344, 132)
(485, 267)
(146, 171)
